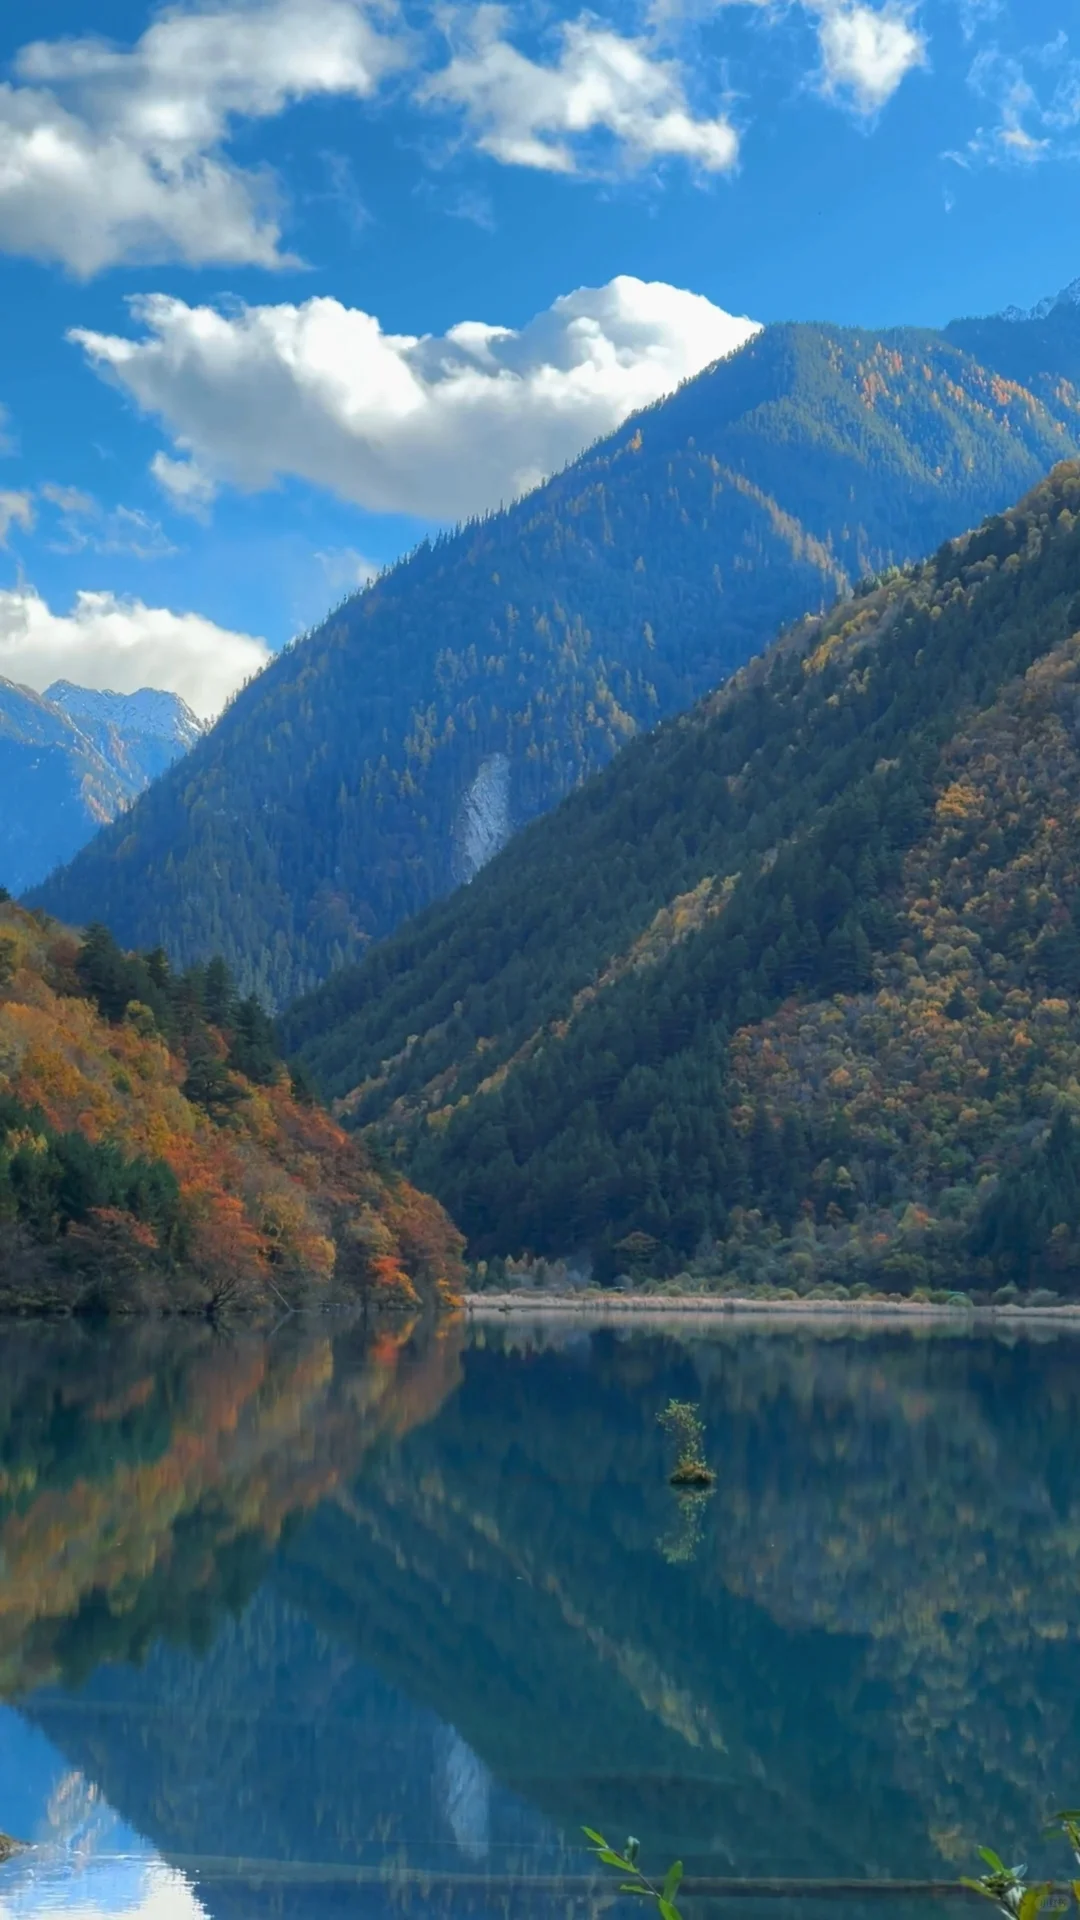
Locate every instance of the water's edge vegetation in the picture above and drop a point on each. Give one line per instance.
(157, 1155)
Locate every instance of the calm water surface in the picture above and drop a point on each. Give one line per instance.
(288, 1623)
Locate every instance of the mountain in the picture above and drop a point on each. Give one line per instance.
(155, 1153)
(794, 985)
(1068, 297)
(151, 725)
(382, 758)
(70, 761)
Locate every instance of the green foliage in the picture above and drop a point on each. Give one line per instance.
(1007, 1887)
(217, 992)
(51, 1180)
(1066, 1822)
(683, 1424)
(327, 805)
(253, 1049)
(662, 1896)
(680, 1544)
(1035, 1199)
(631, 1034)
(111, 978)
(184, 1007)
(209, 1085)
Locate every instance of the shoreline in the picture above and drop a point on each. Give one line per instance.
(705, 1306)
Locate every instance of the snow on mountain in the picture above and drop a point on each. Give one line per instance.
(71, 760)
(164, 715)
(1068, 297)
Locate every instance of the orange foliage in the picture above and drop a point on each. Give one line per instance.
(257, 1433)
(270, 1194)
(113, 1242)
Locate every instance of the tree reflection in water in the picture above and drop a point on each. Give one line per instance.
(309, 1601)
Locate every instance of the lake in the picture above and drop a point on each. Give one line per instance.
(301, 1624)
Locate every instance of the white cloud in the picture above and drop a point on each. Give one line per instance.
(16, 509)
(68, 499)
(112, 153)
(527, 114)
(1034, 119)
(176, 91)
(122, 645)
(324, 580)
(866, 51)
(87, 199)
(866, 54)
(188, 487)
(344, 569)
(85, 525)
(440, 427)
(107, 154)
(975, 14)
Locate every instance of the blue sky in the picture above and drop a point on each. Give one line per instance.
(235, 236)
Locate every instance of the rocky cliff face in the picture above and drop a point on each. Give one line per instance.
(484, 823)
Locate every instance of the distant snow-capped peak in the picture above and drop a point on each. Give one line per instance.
(163, 716)
(1068, 297)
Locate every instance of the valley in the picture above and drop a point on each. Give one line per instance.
(787, 992)
(780, 1000)
(539, 960)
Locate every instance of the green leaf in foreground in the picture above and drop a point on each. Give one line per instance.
(673, 1880)
(638, 1883)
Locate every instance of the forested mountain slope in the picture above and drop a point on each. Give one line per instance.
(72, 759)
(796, 977)
(479, 681)
(156, 1154)
(1026, 346)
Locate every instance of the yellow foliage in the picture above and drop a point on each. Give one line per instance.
(272, 1188)
(958, 802)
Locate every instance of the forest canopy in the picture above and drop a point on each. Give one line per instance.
(156, 1153)
(790, 990)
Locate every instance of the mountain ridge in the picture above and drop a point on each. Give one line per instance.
(331, 800)
(71, 760)
(789, 988)
(149, 711)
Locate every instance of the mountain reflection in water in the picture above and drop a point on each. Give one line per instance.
(288, 1622)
